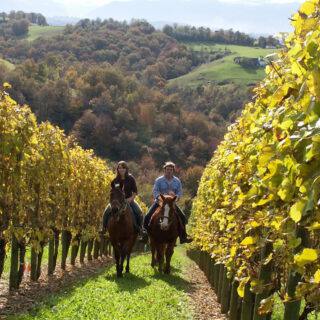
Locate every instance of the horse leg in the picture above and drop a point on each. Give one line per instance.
(128, 264)
(122, 258)
(117, 257)
(160, 256)
(153, 253)
(169, 253)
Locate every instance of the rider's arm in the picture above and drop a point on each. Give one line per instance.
(134, 189)
(156, 189)
(132, 197)
(179, 189)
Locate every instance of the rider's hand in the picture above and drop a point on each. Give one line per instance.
(129, 200)
(171, 193)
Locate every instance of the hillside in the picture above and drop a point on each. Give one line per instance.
(43, 31)
(9, 65)
(223, 69)
(104, 82)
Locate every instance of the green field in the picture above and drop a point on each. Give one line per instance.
(43, 31)
(223, 69)
(143, 294)
(9, 65)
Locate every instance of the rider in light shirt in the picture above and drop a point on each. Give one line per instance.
(168, 184)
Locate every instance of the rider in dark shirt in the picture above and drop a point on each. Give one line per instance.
(126, 182)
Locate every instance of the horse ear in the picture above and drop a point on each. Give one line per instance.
(162, 197)
(174, 198)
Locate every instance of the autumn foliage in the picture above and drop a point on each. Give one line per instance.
(262, 185)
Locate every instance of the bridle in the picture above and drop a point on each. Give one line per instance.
(166, 218)
(120, 207)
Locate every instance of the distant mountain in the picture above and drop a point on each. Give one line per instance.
(46, 7)
(62, 21)
(264, 17)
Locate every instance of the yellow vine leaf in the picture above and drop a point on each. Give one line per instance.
(241, 287)
(296, 210)
(307, 8)
(305, 257)
(317, 276)
(248, 241)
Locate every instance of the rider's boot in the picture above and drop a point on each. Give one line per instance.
(184, 238)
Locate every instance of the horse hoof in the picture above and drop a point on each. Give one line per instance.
(128, 271)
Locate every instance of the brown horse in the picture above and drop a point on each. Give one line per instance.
(163, 232)
(121, 229)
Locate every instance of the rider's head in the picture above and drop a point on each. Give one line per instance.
(122, 169)
(169, 168)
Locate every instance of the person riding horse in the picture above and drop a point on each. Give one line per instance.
(168, 184)
(126, 182)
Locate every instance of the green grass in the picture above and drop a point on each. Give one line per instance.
(8, 64)
(223, 69)
(43, 31)
(143, 294)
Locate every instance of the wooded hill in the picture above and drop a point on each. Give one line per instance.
(104, 82)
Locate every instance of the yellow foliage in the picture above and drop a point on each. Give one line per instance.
(267, 167)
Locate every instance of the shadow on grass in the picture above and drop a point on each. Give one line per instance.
(129, 282)
(175, 280)
(65, 291)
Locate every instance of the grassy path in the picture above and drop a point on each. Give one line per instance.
(143, 294)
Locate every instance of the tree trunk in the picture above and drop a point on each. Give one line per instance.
(96, 249)
(235, 303)
(75, 250)
(221, 278)
(13, 278)
(292, 307)
(65, 240)
(56, 247)
(2, 255)
(50, 256)
(39, 260)
(90, 247)
(83, 248)
(247, 304)
(22, 254)
(216, 277)
(265, 278)
(34, 258)
(225, 294)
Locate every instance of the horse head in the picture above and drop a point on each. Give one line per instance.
(118, 202)
(167, 205)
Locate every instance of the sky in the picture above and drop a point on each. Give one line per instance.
(93, 3)
(252, 16)
(81, 7)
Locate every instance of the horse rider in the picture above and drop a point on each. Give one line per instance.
(168, 184)
(126, 182)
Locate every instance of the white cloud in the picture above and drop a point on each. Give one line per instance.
(263, 1)
(94, 3)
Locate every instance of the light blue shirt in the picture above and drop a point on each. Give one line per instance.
(164, 186)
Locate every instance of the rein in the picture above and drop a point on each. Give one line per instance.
(122, 208)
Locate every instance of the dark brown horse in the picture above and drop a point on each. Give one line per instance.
(121, 229)
(163, 232)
